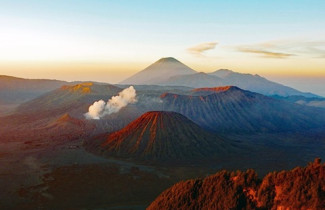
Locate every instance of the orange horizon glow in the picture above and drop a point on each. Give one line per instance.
(114, 72)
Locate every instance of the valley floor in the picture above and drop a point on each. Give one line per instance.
(64, 175)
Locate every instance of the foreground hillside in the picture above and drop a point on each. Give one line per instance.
(299, 188)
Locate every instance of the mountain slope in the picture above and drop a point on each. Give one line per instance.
(60, 111)
(69, 98)
(160, 136)
(159, 71)
(169, 71)
(237, 110)
(65, 128)
(224, 77)
(256, 83)
(315, 101)
(15, 90)
(300, 188)
(194, 80)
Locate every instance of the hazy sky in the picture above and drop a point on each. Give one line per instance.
(108, 40)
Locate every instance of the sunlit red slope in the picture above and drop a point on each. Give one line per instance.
(207, 91)
(162, 136)
(300, 188)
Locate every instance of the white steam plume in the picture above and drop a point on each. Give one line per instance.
(100, 108)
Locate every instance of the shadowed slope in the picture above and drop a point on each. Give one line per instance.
(223, 77)
(45, 113)
(76, 98)
(15, 90)
(233, 109)
(66, 119)
(66, 128)
(315, 101)
(300, 188)
(161, 136)
(196, 80)
(256, 83)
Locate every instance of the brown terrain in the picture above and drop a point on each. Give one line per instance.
(51, 157)
(299, 188)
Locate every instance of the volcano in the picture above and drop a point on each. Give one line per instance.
(159, 71)
(208, 91)
(196, 80)
(160, 136)
(69, 98)
(231, 109)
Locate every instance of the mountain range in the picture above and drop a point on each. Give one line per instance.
(184, 125)
(221, 109)
(159, 71)
(15, 90)
(169, 71)
(231, 109)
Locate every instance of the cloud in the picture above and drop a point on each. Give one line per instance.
(199, 49)
(266, 54)
(286, 48)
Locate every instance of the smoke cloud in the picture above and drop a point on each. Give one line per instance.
(100, 109)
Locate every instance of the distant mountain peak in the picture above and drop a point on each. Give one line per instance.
(159, 72)
(222, 73)
(171, 72)
(223, 70)
(168, 59)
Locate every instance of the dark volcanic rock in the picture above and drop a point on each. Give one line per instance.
(231, 109)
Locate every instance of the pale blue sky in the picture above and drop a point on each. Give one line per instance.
(271, 38)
